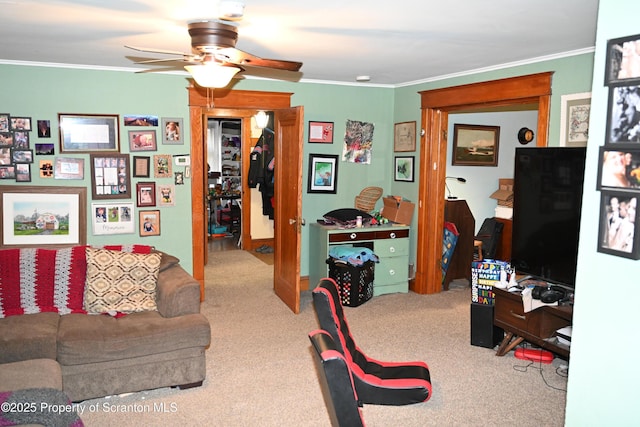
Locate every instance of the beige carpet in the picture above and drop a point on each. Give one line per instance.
(260, 370)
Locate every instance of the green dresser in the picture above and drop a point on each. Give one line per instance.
(389, 242)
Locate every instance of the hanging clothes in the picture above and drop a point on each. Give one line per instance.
(261, 170)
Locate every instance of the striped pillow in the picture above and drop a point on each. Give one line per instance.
(34, 280)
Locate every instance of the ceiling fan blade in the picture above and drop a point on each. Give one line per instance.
(150, 50)
(237, 56)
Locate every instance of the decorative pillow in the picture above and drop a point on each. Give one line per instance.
(34, 280)
(347, 216)
(120, 281)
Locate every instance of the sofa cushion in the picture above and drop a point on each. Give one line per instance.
(35, 373)
(34, 280)
(135, 249)
(30, 336)
(120, 281)
(93, 339)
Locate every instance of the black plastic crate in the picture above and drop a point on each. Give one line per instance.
(354, 282)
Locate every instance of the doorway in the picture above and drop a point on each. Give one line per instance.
(288, 127)
(436, 105)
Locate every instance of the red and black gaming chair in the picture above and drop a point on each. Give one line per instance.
(378, 383)
(336, 379)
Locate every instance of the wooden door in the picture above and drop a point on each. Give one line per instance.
(288, 207)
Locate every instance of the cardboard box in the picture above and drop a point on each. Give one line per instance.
(398, 210)
(485, 275)
(504, 193)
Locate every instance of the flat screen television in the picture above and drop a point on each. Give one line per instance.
(547, 201)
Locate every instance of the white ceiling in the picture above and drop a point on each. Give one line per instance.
(394, 42)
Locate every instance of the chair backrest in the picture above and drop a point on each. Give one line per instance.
(336, 378)
(326, 300)
(366, 200)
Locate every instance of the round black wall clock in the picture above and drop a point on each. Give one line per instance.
(525, 136)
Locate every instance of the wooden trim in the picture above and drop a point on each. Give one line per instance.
(201, 103)
(510, 91)
(247, 99)
(436, 105)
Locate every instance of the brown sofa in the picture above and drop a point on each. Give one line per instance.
(101, 355)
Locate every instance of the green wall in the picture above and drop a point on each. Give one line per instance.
(43, 92)
(604, 372)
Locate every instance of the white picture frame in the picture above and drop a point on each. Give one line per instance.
(112, 218)
(574, 119)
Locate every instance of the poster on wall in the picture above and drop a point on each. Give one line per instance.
(358, 142)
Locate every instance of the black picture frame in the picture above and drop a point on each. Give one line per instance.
(619, 168)
(323, 173)
(141, 166)
(110, 176)
(623, 120)
(21, 123)
(404, 169)
(619, 235)
(23, 172)
(616, 70)
(321, 132)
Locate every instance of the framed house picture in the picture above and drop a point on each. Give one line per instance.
(110, 176)
(404, 168)
(323, 173)
(404, 136)
(618, 233)
(475, 145)
(86, 133)
(34, 216)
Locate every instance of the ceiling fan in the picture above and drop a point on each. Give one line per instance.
(214, 60)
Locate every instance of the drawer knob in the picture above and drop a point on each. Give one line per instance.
(353, 236)
(392, 235)
(392, 272)
(392, 249)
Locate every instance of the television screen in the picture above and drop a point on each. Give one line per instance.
(547, 201)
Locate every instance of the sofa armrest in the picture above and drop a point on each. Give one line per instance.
(178, 293)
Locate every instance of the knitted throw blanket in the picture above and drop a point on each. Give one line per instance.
(47, 406)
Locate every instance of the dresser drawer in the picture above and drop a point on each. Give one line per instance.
(353, 236)
(511, 312)
(391, 270)
(391, 248)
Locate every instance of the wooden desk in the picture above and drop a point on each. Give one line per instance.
(536, 326)
(389, 242)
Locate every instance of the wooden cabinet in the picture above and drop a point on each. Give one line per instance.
(458, 212)
(537, 326)
(390, 243)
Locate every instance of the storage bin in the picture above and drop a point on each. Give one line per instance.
(354, 282)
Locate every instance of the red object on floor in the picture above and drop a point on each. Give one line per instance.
(535, 355)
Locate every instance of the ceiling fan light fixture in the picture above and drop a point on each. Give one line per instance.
(212, 75)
